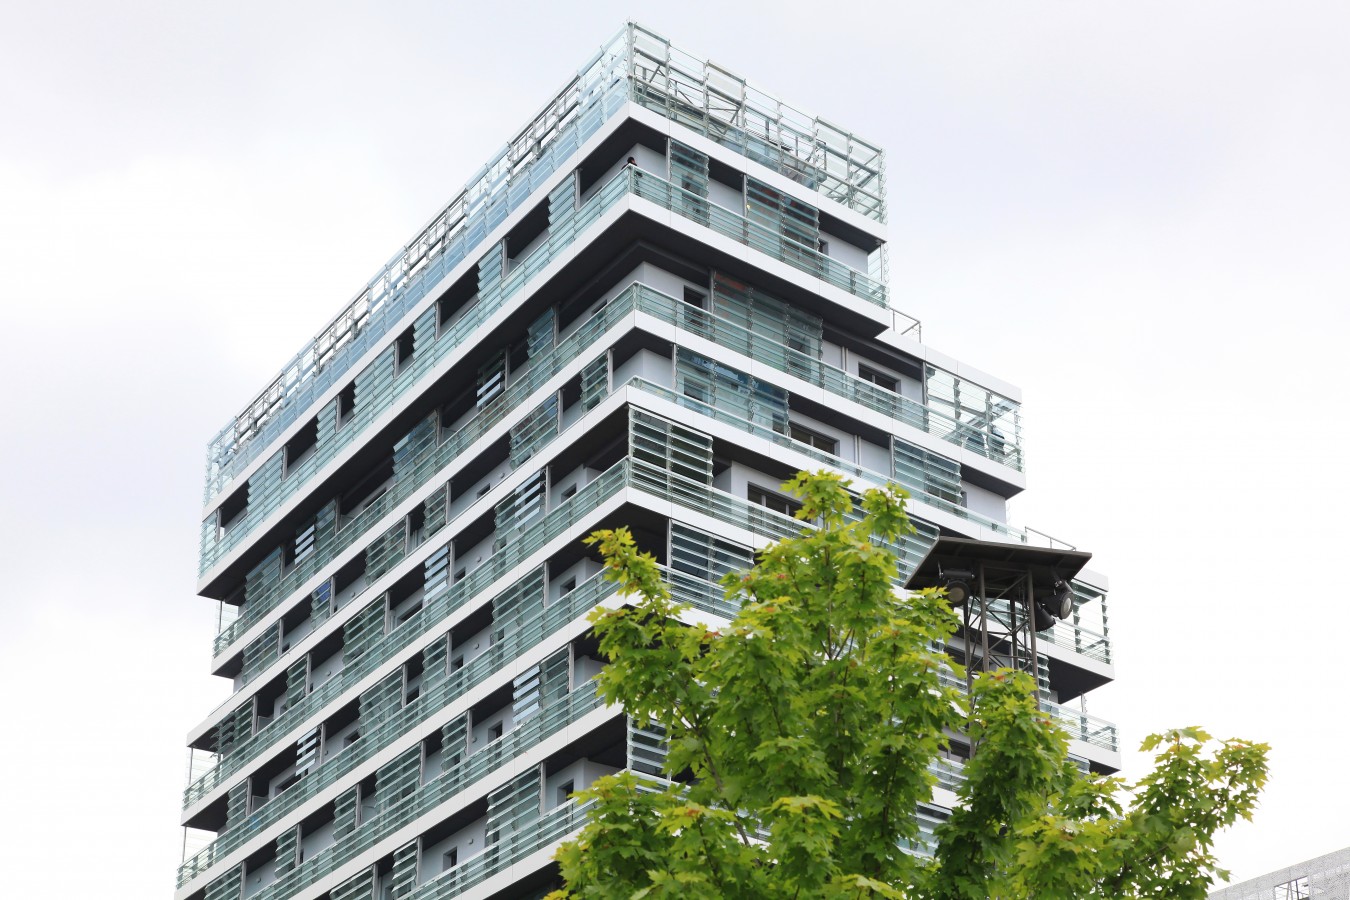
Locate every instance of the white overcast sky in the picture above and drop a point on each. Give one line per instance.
(1137, 211)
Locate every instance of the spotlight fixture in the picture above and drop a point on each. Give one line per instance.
(956, 583)
(1058, 604)
(1042, 618)
(1062, 600)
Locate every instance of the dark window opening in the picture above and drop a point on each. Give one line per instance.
(234, 506)
(880, 379)
(495, 731)
(404, 348)
(450, 859)
(346, 404)
(565, 792)
(758, 496)
(814, 438)
(298, 447)
(460, 295)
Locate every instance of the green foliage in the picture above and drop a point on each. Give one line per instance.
(800, 739)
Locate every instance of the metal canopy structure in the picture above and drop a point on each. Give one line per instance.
(1004, 584)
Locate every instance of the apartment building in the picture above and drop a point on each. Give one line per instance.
(668, 294)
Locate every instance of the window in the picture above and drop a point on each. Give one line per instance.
(567, 586)
(758, 496)
(450, 860)
(569, 492)
(495, 731)
(695, 314)
(403, 350)
(814, 438)
(482, 491)
(880, 379)
(346, 404)
(299, 447)
(460, 573)
(457, 663)
(232, 509)
(564, 792)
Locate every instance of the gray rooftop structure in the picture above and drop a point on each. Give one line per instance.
(1325, 878)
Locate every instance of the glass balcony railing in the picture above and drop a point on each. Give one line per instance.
(755, 236)
(636, 65)
(583, 503)
(533, 629)
(866, 475)
(273, 489)
(436, 791)
(648, 478)
(579, 343)
(528, 836)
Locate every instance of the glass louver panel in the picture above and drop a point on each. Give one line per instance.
(647, 748)
(711, 382)
(491, 379)
(234, 729)
(490, 270)
(689, 174)
(562, 209)
(307, 751)
(237, 805)
(363, 630)
(541, 685)
(435, 660)
(435, 510)
(321, 602)
(384, 552)
(539, 336)
(762, 314)
(399, 778)
(414, 452)
(297, 681)
(436, 572)
(522, 507)
(702, 556)
(359, 887)
(261, 653)
(228, 886)
(404, 876)
(924, 472)
(454, 742)
(798, 223)
(288, 851)
(378, 704)
(346, 812)
(519, 602)
(535, 430)
(510, 810)
(595, 381)
(661, 443)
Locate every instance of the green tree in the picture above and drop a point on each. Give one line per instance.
(800, 739)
